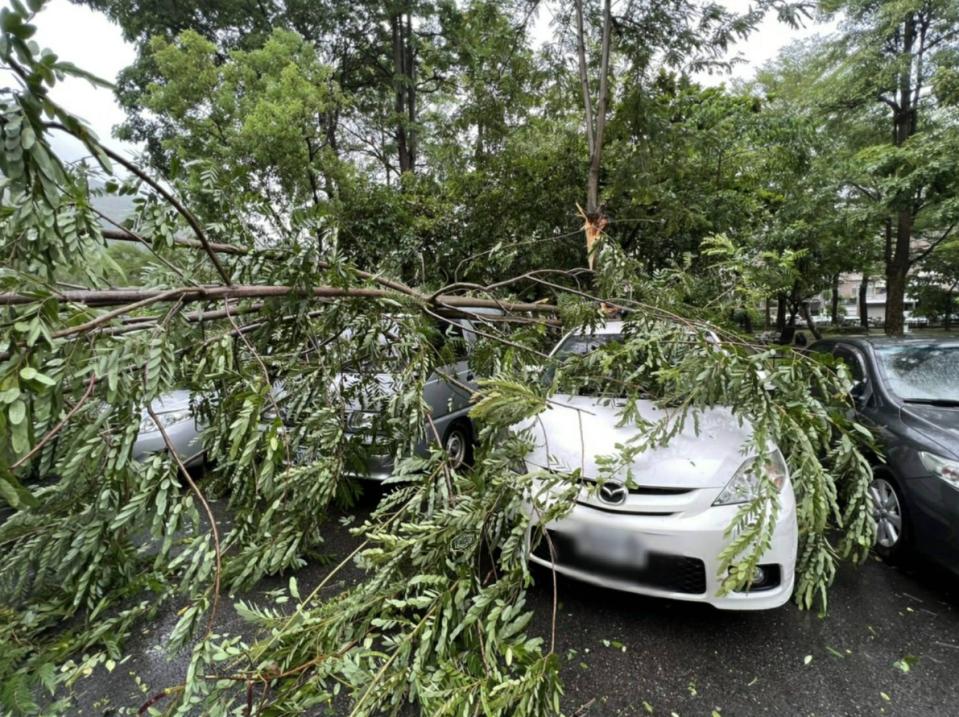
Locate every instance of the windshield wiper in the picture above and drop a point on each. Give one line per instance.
(945, 402)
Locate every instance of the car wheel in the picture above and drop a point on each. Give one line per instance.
(458, 445)
(888, 508)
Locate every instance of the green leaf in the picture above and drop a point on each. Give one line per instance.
(28, 373)
(13, 492)
(905, 663)
(16, 412)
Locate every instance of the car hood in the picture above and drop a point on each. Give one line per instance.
(575, 430)
(177, 400)
(937, 423)
(365, 391)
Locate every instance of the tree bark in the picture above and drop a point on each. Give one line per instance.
(595, 219)
(895, 298)
(781, 312)
(897, 271)
(809, 321)
(401, 80)
(947, 320)
(904, 126)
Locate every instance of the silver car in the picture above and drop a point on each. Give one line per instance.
(447, 392)
(182, 428)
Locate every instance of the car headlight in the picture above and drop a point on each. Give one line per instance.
(360, 420)
(745, 484)
(166, 420)
(943, 467)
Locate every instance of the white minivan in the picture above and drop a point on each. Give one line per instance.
(662, 534)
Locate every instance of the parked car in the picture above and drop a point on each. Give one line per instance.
(182, 428)
(663, 535)
(916, 321)
(907, 392)
(447, 392)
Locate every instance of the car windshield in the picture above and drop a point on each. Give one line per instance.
(580, 344)
(575, 378)
(922, 373)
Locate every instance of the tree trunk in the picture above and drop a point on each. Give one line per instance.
(897, 271)
(809, 322)
(835, 300)
(410, 69)
(904, 126)
(401, 78)
(595, 220)
(895, 298)
(780, 312)
(863, 304)
(766, 317)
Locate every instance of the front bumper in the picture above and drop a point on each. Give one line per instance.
(370, 467)
(680, 552)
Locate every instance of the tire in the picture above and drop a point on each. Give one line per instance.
(893, 530)
(458, 444)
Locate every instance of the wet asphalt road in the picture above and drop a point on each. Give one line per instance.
(628, 655)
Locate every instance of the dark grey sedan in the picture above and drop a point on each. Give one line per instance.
(907, 391)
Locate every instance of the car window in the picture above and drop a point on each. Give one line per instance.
(580, 344)
(853, 361)
(450, 341)
(921, 372)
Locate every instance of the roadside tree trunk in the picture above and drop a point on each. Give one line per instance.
(811, 325)
(404, 91)
(947, 319)
(595, 220)
(781, 312)
(897, 272)
(904, 127)
(863, 304)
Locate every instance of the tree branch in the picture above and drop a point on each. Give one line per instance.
(187, 294)
(933, 244)
(583, 72)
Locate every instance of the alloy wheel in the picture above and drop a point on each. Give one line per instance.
(456, 447)
(887, 511)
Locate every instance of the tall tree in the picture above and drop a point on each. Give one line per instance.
(892, 53)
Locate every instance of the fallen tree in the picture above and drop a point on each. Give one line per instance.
(97, 542)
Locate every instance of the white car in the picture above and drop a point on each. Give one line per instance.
(664, 536)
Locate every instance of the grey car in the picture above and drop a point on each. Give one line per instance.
(907, 392)
(179, 423)
(447, 392)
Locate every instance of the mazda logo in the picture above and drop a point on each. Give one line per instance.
(613, 493)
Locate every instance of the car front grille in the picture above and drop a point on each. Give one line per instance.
(642, 489)
(672, 573)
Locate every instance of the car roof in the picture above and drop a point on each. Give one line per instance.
(866, 343)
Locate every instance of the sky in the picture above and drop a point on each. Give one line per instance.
(88, 39)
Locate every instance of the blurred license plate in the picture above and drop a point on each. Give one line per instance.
(611, 546)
